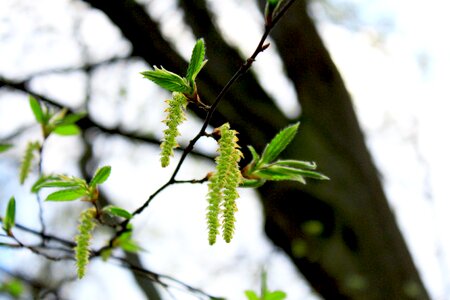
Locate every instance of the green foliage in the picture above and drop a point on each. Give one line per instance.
(168, 80)
(82, 240)
(278, 144)
(263, 167)
(73, 188)
(223, 186)
(5, 147)
(266, 294)
(175, 116)
(176, 83)
(36, 108)
(117, 212)
(27, 160)
(197, 61)
(270, 10)
(125, 241)
(54, 122)
(100, 176)
(67, 194)
(10, 216)
(13, 288)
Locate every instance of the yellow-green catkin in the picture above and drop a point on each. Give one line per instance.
(223, 186)
(83, 239)
(27, 160)
(175, 116)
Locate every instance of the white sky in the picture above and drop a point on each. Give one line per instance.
(400, 90)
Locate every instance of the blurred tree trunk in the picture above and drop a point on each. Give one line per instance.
(340, 234)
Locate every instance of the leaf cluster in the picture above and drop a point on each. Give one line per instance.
(72, 188)
(265, 166)
(58, 122)
(176, 83)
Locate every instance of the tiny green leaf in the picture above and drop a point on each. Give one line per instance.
(10, 217)
(278, 173)
(297, 164)
(197, 60)
(13, 287)
(37, 110)
(275, 295)
(117, 211)
(278, 144)
(100, 176)
(71, 119)
(56, 183)
(130, 246)
(251, 183)
(5, 147)
(69, 129)
(251, 295)
(67, 194)
(167, 80)
(255, 155)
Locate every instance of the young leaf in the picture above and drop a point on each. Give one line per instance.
(67, 194)
(251, 295)
(278, 173)
(71, 119)
(197, 60)
(168, 80)
(297, 164)
(278, 144)
(251, 183)
(69, 129)
(37, 110)
(27, 160)
(117, 211)
(275, 295)
(101, 175)
(10, 217)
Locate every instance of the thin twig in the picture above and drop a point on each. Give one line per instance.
(241, 71)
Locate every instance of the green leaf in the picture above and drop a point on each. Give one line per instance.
(5, 147)
(56, 183)
(100, 176)
(37, 110)
(197, 60)
(278, 144)
(168, 80)
(69, 129)
(297, 164)
(130, 246)
(251, 183)
(67, 194)
(117, 211)
(255, 155)
(10, 217)
(13, 287)
(276, 173)
(251, 295)
(275, 295)
(71, 119)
